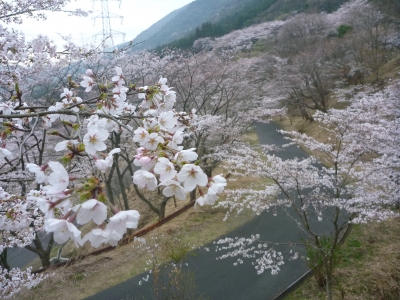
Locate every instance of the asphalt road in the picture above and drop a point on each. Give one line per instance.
(219, 279)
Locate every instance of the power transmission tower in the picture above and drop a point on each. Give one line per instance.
(107, 34)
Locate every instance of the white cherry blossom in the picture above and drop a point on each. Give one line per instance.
(97, 237)
(95, 122)
(39, 172)
(173, 188)
(153, 140)
(119, 78)
(122, 220)
(91, 210)
(207, 199)
(67, 94)
(5, 153)
(141, 136)
(186, 155)
(94, 140)
(104, 164)
(63, 230)
(167, 120)
(58, 179)
(165, 169)
(145, 180)
(87, 83)
(191, 176)
(64, 145)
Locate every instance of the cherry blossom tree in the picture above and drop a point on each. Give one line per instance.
(307, 82)
(374, 29)
(216, 87)
(371, 42)
(353, 182)
(301, 32)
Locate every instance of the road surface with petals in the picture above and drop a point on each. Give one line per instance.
(220, 279)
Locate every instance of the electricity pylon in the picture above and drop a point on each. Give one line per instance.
(107, 33)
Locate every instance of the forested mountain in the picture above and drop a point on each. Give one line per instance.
(214, 18)
(184, 20)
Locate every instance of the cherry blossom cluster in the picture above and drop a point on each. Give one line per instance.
(162, 159)
(53, 198)
(239, 40)
(18, 220)
(217, 95)
(20, 56)
(14, 280)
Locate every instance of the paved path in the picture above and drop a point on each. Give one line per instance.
(220, 279)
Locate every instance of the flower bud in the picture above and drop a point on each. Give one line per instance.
(145, 160)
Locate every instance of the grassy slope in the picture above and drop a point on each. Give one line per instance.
(368, 266)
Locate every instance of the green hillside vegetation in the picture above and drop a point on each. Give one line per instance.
(253, 12)
(366, 266)
(237, 20)
(184, 20)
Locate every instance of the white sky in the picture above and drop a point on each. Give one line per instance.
(138, 16)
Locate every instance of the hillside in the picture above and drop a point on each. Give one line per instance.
(215, 18)
(181, 21)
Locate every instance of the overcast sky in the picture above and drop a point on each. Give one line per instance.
(138, 16)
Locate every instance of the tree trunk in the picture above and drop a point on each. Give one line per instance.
(121, 184)
(161, 211)
(143, 198)
(44, 254)
(328, 262)
(3, 260)
(193, 195)
(108, 181)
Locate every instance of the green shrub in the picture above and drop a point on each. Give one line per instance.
(343, 29)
